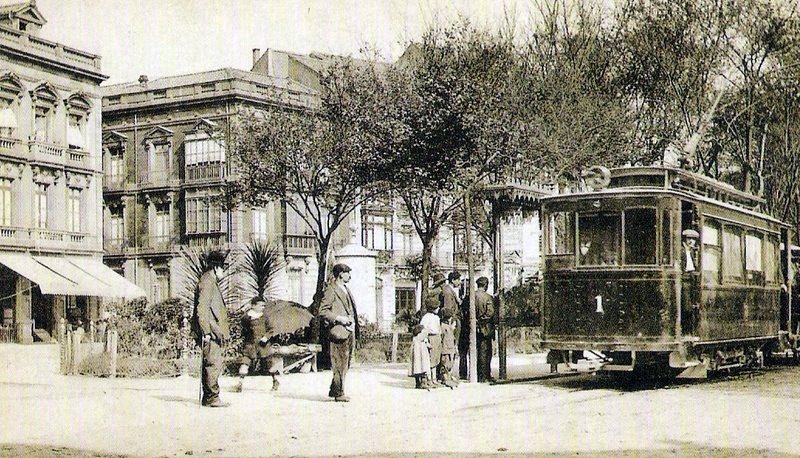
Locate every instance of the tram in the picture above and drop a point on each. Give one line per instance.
(661, 269)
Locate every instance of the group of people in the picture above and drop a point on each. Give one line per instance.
(211, 328)
(439, 339)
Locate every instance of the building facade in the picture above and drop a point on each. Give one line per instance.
(50, 181)
(164, 166)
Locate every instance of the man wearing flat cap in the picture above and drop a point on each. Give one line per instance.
(338, 310)
(210, 326)
(690, 301)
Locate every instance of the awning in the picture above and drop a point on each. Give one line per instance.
(71, 276)
(119, 285)
(49, 281)
(86, 285)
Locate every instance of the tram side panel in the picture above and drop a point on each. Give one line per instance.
(738, 312)
(610, 310)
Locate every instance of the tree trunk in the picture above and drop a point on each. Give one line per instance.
(318, 333)
(425, 268)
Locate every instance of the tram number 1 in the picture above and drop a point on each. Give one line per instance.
(598, 300)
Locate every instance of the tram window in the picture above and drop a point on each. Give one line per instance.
(561, 233)
(666, 238)
(752, 251)
(712, 254)
(598, 235)
(640, 236)
(732, 254)
(771, 260)
(753, 255)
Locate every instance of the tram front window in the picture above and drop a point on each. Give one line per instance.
(640, 236)
(598, 236)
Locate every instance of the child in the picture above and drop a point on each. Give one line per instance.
(449, 349)
(254, 330)
(432, 324)
(420, 357)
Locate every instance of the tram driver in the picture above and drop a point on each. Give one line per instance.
(690, 248)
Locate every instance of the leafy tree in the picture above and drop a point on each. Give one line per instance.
(671, 56)
(322, 163)
(451, 98)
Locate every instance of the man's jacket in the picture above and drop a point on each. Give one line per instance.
(210, 313)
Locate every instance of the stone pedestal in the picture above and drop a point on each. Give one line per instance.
(22, 311)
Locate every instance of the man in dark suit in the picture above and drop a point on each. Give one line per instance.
(211, 327)
(338, 309)
(484, 311)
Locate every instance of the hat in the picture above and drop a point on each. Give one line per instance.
(438, 279)
(340, 268)
(690, 233)
(453, 276)
(216, 258)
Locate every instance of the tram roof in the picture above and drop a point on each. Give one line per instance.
(660, 179)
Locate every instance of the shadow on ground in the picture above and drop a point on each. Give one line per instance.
(674, 449)
(20, 450)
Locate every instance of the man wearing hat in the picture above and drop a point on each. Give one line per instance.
(484, 313)
(210, 325)
(338, 310)
(690, 309)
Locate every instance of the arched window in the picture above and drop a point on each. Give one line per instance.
(45, 99)
(78, 108)
(10, 90)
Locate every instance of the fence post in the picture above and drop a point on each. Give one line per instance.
(76, 351)
(66, 352)
(394, 345)
(112, 349)
(185, 344)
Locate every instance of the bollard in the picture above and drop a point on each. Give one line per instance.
(66, 353)
(112, 348)
(395, 339)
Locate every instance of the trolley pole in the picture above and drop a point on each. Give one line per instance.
(473, 322)
(497, 222)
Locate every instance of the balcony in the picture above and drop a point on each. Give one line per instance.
(299, 245)
(45, 152)
(77, 158)
(205, 172)
(12, 147)
(202, 240)
(114, 246)
(113, 183)
(158, 178)
(45, 239)
(158, 243)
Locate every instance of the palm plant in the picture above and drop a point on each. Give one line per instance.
(260, 263)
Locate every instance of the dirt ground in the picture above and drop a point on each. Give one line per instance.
(45, 414)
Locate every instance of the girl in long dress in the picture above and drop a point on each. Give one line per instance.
(420, 357)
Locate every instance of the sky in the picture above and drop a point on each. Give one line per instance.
(170, 37)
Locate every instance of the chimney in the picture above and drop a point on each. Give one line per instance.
(143, 80)
(256, 55)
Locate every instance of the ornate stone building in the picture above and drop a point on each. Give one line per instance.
(50, 182)
(163, 168)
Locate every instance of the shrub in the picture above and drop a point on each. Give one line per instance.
(522, 304)
(99, 365)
